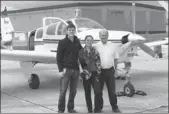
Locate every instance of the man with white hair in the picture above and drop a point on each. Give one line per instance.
(109, 56)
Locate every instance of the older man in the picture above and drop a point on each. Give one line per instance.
(109, 57)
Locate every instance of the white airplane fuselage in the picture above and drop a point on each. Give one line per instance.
(50, 45)
(45, 39)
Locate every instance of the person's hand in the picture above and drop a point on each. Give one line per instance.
(61, 74)
(81, 79)
(88, 74)
(87, 77)
(97, 77)
(64, 70)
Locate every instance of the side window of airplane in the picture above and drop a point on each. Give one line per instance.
(62, 29)
(51, 29)
(39, 33)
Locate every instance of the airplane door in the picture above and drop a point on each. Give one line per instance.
(39, 35)
(31, 41)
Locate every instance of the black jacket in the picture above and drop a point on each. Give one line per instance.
(67, 53)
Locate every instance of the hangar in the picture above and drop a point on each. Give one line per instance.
(149, 17)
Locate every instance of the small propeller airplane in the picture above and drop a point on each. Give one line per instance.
(40, 45)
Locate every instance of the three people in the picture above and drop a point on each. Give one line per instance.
(99, 65)
(90, 61)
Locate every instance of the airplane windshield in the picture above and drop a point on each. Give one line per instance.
(86, 24)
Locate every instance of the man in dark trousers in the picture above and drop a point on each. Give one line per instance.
(109, 56)
(67, 61)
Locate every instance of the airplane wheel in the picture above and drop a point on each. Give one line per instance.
(129, 89)
(34, 81)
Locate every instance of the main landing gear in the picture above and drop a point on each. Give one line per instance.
(34, 81)
(128, 88)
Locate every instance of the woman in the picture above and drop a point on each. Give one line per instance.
(90, 63)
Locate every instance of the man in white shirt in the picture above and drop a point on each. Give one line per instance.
(109, 56)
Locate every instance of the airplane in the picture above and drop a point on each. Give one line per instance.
(40, 46)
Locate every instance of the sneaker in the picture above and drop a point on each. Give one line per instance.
(117, 110)
(60, 111)
(72, 111)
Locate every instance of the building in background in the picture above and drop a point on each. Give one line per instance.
(150, 17)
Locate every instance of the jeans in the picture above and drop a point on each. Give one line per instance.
(70, 77)
(93, 81)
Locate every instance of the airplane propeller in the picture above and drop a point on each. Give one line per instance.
(147, 49)
(139, 41)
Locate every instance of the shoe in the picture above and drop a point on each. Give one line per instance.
(97, 111)
(90, 111)
(72, 111)
(116, 110)
(60, 111)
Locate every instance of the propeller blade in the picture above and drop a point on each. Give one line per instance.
(147, 49)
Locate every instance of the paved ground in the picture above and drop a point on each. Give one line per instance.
(147, 74)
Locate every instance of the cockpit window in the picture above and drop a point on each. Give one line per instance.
(39, 33)
(51, 29)
(86, 24)
(62, 29)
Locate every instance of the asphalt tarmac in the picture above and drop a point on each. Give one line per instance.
(148, 74)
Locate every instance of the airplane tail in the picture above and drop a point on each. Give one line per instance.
(6, 30)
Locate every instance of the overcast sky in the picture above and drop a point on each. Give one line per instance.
(14, 5)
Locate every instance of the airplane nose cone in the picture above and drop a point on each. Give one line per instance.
(135, 37)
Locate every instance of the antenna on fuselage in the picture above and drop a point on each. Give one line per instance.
(77, 12)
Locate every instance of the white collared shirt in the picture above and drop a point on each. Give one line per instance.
(108, 52)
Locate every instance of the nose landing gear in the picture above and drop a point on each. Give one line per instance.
(128, 88)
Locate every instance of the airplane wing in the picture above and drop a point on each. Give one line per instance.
(156, 43)
(50, 57)
(28, 56)
(146, 47)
